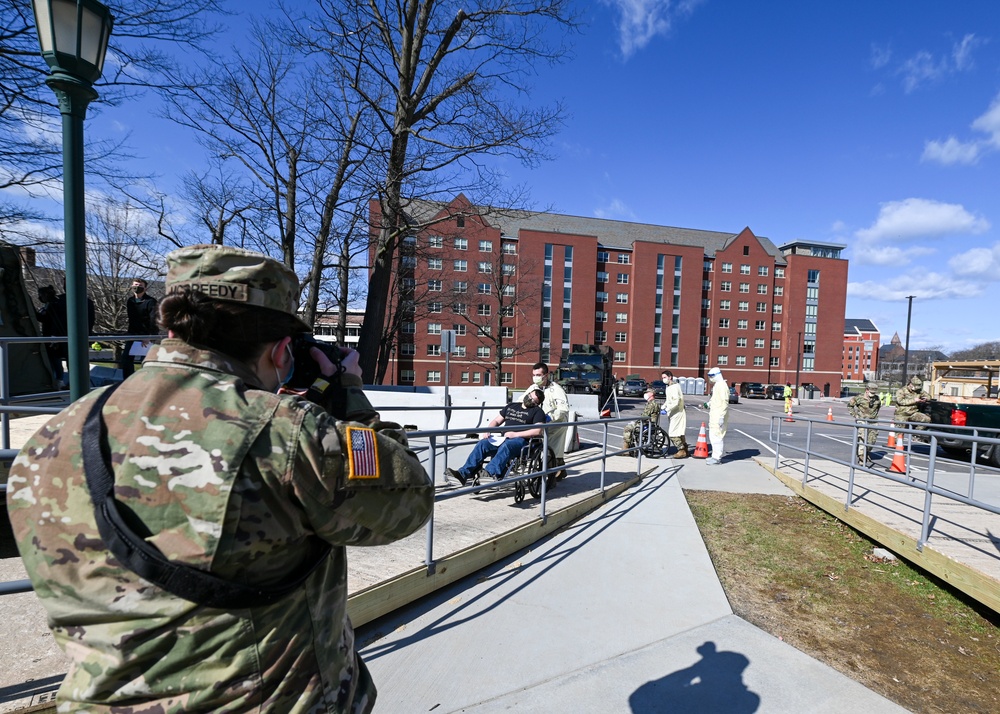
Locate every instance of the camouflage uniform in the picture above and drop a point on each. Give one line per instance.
(230, 478)
(864, 408)
(652, 412)
(907, 404)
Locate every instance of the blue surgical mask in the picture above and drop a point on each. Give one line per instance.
(291, 370)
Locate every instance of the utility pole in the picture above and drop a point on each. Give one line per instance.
(906, 349)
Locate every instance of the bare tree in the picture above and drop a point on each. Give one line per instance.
(986, 350)
(447, 83)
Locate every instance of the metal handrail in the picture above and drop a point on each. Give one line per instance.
(975, 438)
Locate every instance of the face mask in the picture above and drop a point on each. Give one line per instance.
(291, 370)
(539, 381)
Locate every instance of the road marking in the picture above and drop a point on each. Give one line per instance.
(754, 439)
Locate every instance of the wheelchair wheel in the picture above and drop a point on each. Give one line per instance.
(518, 491)
(654, 447)
(535, 486)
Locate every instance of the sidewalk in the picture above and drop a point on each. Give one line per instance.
(622, 611)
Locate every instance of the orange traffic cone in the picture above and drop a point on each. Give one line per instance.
(898, 465)
(701, 448)
(829, 414)
(788, 416)
(892, 435)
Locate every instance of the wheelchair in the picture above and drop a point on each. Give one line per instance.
(652, 440)
(528, 461)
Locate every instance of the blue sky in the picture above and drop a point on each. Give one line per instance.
(871, 123)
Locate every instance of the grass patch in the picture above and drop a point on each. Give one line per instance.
(802, 575)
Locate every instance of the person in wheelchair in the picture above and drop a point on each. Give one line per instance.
(651, 411)
(503, 448)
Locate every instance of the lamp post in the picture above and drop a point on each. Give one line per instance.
(906, 350)
(73, 35)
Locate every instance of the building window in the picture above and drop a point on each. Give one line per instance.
(434, 286)
(435, 263)
(741, 342)
(459, 330)
(706, 285)
(760, 325)
(409, 328)
(724, 323)
(621, 336)
(602, 276)
(723, 342)
(507, 333)
(619, 356)
(741, 360)
(725, 304)
(483, 352)
(779, 272)
(506, 378)
(408, 261)
(762, 307)
(460, 350)
(600, 336)
(623, 278)
(435, 242)
(706, 304)
(744, 270)
(433, 328)
(485, 266)
(602, 256)
(744, 306)
(465, 377)
(508, 248)
(506, 352)
(705, 323)
(727, 267)
(621, 298)
(758, 343)
(484, 309)
(707, 266)
(600, 316)
(476, 377)
(762, 271)
(433, 350)
(778, 291)
(406, 376)
(434, 307)
(508, 268)
(433, 375)
(407, 349)
(761, 289)
(602, 297)
(744, 287)
(621, 317)
(484, 330)
(461, 266)
(507, 291)
(485, 246)
(775, 327)
(775, 344)
(703, 340)
(812, 276)
(758, 361)
(460, 286)
(624, 259)
(722, 359)
(702, 359)
(484, 289)
(461, 244)
(507, 310)
(741, 324)
(460, 308)
(726, 286)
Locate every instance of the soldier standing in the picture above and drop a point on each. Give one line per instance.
(864, 408)
(908, 401)
(197, 560)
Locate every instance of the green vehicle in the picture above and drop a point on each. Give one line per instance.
(587, 369)
(972, 411)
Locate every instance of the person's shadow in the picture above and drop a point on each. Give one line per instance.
(713, 684)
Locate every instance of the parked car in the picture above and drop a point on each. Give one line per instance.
(776, 391)
(752, 390)
(734, 397)
(659, 388)
(634, 387)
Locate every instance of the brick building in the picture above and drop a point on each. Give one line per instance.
(521, 287)
(861, 346)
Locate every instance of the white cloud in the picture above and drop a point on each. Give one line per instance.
(922, 284)
(616, 210)
(873, 254)
(880, 56)
(961, 53)
(921, 68)
(914, 218)
(952, 151)
(982, 263)
(989, 122)
(926, 68)
(639, 21)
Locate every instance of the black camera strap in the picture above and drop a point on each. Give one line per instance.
(125, 534)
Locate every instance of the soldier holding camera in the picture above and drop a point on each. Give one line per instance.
(198, 561)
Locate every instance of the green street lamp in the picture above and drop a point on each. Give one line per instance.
(74, 39)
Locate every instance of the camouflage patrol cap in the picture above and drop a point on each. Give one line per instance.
(916, 381)
(222, 272)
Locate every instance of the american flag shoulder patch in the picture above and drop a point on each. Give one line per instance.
(362, 456)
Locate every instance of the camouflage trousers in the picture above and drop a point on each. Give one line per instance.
(866, 439)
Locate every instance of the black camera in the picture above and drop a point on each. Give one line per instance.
(306, 369)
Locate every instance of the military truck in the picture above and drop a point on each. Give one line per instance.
(971, 400)
(587, 369)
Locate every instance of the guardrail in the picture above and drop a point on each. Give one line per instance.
(975, 437)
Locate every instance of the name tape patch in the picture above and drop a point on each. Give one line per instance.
(362, 456)
(215, 289)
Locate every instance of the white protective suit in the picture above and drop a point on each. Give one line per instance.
(673, 406)
(718, 415)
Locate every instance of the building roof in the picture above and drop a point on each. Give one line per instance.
(854, 326)
(609, 233)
